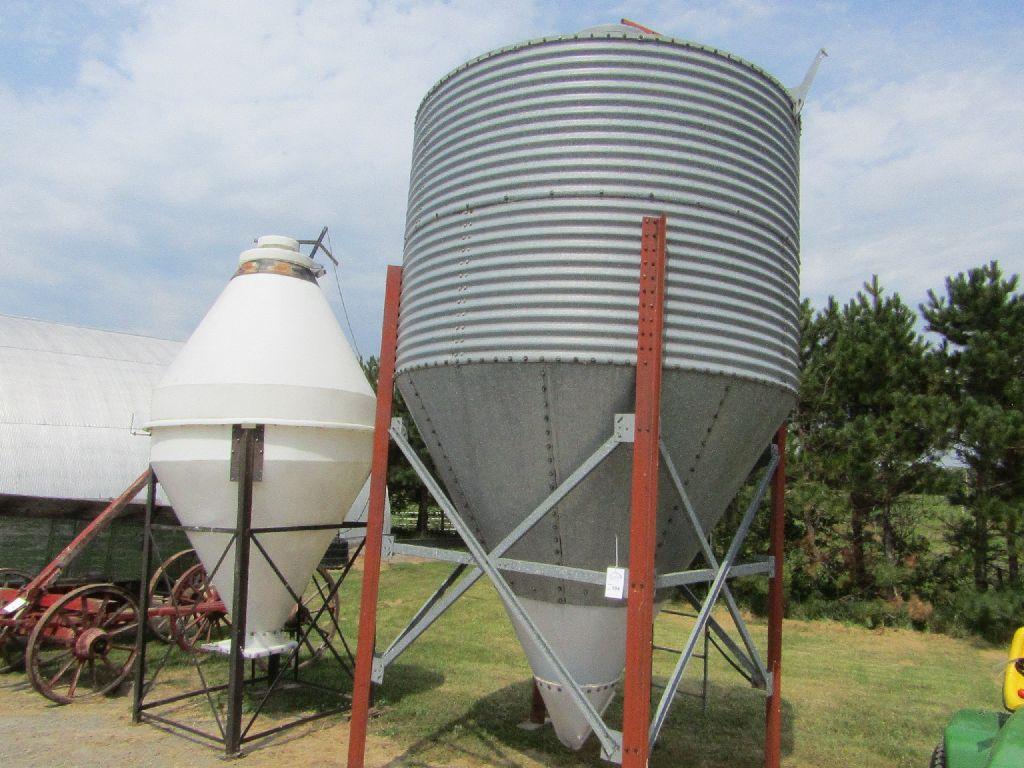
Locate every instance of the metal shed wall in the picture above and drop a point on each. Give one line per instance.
(71, 403)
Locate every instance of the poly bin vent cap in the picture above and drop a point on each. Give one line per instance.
(280, 248)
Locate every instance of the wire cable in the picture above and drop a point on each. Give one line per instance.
(341, 298)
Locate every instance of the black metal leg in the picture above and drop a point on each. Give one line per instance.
(140, 634)
(243, 540)
(274, 666)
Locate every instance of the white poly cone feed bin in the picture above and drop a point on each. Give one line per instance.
(269, 352)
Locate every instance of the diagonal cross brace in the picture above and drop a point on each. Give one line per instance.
(610, 744)
(709, 601)
(439, 602)
(752, 661)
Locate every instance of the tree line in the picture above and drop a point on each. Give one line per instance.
(906, 457)
(905, 460)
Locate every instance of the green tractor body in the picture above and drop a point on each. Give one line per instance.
(980, 739)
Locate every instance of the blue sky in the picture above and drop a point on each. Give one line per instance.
(143, 145)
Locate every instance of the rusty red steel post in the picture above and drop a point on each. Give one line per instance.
(776, 608)
(375, 523)
(644, 496)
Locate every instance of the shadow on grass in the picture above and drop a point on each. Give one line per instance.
(730, 735)
(289, 698)
(15, 680)
(289, 701)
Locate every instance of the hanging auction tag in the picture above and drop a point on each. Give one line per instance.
(615, 583)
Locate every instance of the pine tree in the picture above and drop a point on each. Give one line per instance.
(817, 513)
(981, 322)
(871, 420)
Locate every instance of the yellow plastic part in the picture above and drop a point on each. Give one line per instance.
(1013, 686)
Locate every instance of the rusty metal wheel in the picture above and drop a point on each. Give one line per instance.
(84, 644)
(12, 642)
(161, 585)
(317, 594)
(194, 627)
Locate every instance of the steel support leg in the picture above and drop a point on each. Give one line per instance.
(140, 635)
(644, 496)
(776, 608)
(243, 541)
(361, 686)
(704, 673)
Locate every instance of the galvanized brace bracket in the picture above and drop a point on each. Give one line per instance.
(398, 428)
(377, 670)
(625, 427)
(615, 755)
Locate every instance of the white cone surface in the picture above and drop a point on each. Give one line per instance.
(591, 642)
(268, 352)
(304, 469)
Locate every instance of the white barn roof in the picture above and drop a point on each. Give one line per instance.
(72, 401)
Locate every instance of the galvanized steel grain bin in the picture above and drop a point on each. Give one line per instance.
(532, 168)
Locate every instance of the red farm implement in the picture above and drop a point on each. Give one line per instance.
(79, 640)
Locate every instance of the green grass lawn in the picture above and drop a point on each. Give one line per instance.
(851, 696)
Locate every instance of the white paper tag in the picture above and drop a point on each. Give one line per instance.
(15, 605)
(615, 583)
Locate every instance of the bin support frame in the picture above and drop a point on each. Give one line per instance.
(232, 733)
(632, 746)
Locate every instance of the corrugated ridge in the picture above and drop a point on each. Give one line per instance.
(532, 169)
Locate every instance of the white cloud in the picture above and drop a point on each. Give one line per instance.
(914, 180)
(127, 194)
(185, 128)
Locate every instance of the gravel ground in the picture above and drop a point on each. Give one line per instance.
(100, 734)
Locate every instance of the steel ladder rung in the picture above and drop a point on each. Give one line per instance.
(677, 651)
(684, 614)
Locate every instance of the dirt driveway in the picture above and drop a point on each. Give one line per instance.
(100, 734)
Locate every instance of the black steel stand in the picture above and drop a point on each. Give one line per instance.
(239, 606)
(233, 734)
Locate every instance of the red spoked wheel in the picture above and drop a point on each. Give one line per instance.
(12, 641)
(84, 644)
(161, 586)
(194, 626)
